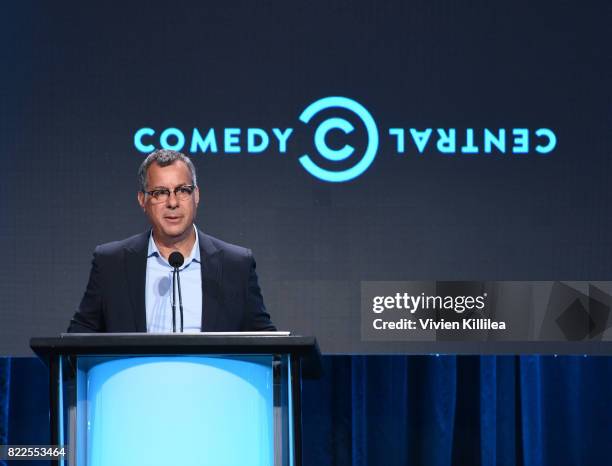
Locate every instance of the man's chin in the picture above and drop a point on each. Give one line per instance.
(176, 233)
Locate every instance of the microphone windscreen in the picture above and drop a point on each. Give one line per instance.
(176, 259)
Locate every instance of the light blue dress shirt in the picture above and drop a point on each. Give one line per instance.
(158, 291)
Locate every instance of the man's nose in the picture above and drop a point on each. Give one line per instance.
(172, 200)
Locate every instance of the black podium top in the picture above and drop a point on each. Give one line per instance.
(306, 348)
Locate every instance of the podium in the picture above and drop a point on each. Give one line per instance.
(177, 399)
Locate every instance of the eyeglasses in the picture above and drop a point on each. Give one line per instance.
(182, 193)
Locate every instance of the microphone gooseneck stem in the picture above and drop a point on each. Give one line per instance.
(178, 281)
(173, 302)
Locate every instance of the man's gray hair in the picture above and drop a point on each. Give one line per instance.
(163, 158)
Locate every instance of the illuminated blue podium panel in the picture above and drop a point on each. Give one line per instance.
(188, 410)
(138, 399)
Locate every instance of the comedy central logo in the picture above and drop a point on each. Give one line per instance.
(343, 162)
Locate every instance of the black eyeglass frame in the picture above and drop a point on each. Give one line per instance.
(185, 191)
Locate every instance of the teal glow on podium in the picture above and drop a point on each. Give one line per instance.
(138, 399)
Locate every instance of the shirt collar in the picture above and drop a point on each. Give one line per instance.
(194, 255)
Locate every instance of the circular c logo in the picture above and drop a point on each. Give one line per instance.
(336, 155)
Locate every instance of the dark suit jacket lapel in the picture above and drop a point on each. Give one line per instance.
(211, 270)
(136, 273)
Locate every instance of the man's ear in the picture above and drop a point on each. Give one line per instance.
(141, 200)
(196, 195)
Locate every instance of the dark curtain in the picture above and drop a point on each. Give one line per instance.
(412, 410)
(24, 402)
(466, 410)
(5, 380)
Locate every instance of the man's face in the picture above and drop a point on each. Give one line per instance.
(171, 218)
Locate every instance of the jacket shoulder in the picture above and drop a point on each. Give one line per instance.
(230, 251)
(136, 243)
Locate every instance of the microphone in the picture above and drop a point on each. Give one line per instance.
(175, 260)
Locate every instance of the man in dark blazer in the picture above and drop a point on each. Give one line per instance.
(120, 295)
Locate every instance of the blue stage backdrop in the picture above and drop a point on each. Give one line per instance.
(473, 143)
